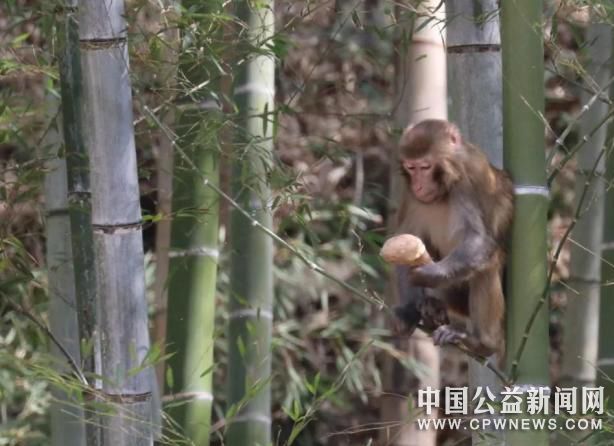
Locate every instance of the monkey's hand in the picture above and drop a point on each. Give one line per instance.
(408, 318)
(434, 313)
(448, 335)
(430, 276)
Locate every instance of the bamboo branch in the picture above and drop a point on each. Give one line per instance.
(71, 361)
(560, 141)
(578, 146)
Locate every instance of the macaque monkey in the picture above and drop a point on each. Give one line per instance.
(461, 207)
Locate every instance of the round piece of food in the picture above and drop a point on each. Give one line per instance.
(405, 249)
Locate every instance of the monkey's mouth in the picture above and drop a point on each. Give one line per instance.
(427, 197)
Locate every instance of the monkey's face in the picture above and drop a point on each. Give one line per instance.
(422, 176)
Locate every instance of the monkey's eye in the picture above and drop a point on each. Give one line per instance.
(425, 167)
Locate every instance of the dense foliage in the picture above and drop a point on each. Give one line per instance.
(333, 137)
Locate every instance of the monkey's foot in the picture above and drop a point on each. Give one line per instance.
(448, 335)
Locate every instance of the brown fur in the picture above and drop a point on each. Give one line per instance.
(476, 198)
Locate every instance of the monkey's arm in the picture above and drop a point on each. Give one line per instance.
(473, 254)
(406, 251)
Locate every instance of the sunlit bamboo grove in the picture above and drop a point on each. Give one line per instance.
(194, 197)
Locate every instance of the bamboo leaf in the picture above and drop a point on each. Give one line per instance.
(169, 378)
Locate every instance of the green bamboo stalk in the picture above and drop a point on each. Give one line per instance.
(605, 363)
(192, 283)
(108, 136)
(582, 312)
(67, 426)
(193, 267)
(524, 157)
(79, 203)
(164, 173)
(194, 248)
(251, 277)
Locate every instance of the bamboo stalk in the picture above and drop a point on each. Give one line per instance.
(474, 85)
(67, 417)
(79, 206)
(108, 135)
(524, 157)
(251, 276)
(582, 312)
(164, 172)
(605, 363)
(192, 285)
(474, 73)
(194, 259)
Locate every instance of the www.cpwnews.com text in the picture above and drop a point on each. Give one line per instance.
(505, 424)
(517, 408)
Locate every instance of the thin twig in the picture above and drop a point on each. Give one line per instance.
(71, 361)
(568, 156)
(560, 141)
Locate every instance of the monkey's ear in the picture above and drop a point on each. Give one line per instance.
(455, 135)
(405, 135)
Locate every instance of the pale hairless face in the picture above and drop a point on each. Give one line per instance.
(424, 185)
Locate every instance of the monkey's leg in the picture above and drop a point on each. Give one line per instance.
(410, 301)
(486, 311)
(448, 334)
(481, 331)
